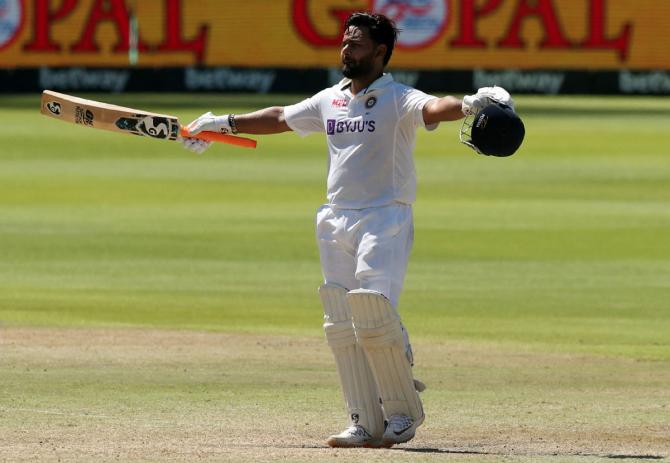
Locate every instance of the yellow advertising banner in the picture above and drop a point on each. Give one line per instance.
(436, 34)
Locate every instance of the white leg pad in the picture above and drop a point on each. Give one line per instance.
(358, 384)
(380, 333)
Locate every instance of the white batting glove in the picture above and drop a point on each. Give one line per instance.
(210, 123)
(195, 144)
(472, 104)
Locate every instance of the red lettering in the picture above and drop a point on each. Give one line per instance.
(308, 31)
(469, 15)
(174, 40)
(104, 10)
(597, 39)
(545, 12)
(43, 18)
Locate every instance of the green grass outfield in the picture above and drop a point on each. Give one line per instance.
(561, 250)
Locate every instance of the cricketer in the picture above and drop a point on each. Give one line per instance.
(365, 229)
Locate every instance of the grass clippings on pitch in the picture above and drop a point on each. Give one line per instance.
(148, 395)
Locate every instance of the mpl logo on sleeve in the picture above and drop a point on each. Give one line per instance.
(421, 22)
(339, 103)
(11, 21)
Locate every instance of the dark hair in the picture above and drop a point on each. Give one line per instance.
(382, 30)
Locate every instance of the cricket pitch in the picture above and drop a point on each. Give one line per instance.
(151, 395)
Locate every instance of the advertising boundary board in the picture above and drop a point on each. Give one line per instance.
(305, 81)
(594, 35)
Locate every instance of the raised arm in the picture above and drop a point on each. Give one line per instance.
(447, 108)
(450, 108)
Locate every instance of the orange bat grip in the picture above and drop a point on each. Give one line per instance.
(221, 137)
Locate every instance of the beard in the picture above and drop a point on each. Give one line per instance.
(356, 69)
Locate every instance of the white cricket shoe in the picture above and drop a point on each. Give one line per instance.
(354, 436)
(400, 429)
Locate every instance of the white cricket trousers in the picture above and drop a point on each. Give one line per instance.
(366, 248)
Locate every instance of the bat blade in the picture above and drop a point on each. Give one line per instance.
(106, 116)
(99, 115)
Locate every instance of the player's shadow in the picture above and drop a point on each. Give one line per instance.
(443, 451)
(476, 452)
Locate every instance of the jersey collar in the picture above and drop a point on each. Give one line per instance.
(383, 81)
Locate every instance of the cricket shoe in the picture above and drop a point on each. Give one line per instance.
(400, 429)
(354, 436)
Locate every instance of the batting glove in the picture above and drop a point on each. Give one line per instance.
(210, 123)
(472, 104)
(195, 144)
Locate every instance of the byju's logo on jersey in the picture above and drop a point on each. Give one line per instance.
(421, 21)
(349, 126)
(11, 21)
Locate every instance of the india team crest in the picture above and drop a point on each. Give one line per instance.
(11, 21)
(421, 21)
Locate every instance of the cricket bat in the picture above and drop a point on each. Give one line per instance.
(97, 115)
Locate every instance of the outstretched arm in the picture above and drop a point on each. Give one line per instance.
(447, 108)
(450, 108)
(262, 122)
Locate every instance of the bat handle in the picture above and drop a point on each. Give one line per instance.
(221, 137)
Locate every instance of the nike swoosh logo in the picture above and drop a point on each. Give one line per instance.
(397, 433)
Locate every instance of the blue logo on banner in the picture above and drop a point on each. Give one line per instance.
(11, 19)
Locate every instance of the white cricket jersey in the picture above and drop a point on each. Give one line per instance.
(371, 137)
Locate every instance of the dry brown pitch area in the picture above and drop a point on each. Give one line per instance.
(149, 395)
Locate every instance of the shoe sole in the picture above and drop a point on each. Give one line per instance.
(343, 445)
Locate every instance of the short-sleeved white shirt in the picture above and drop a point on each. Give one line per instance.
(371, 137)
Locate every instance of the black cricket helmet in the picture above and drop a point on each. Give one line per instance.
(496, 130)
